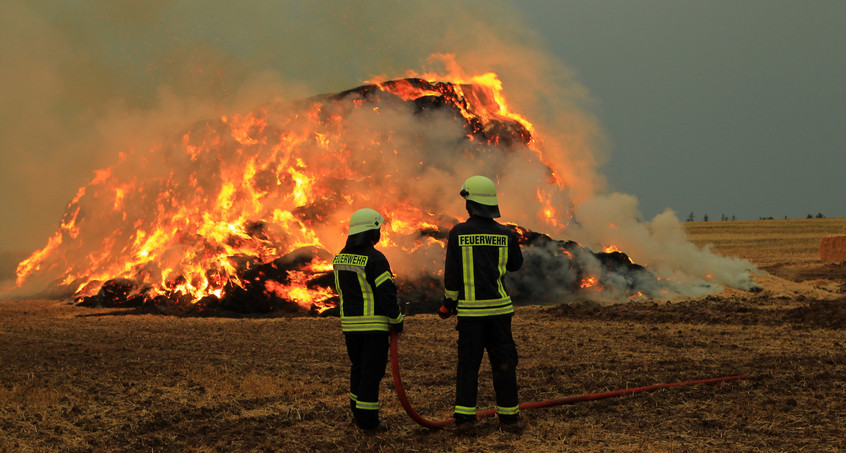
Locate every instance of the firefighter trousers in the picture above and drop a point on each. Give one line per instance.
(475, 335)
(368, 353)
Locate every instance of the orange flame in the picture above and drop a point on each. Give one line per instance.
(610, 248)
(191, 217)
(589, 282)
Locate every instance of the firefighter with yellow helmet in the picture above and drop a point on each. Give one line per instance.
(369, 311)
(479, 253)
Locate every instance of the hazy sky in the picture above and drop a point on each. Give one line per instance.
(717, 107)
(734, 107)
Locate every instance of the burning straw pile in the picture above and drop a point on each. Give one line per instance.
(244, 212)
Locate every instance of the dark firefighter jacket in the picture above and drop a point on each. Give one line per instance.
(366, 287)
(479, 253)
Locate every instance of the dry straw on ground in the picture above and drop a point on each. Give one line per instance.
(86, 379)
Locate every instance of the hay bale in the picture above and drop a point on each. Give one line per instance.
(833, 248)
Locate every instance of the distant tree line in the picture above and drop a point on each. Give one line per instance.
(692, 217)
(705, 218)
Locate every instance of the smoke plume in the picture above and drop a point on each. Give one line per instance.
(97, 86)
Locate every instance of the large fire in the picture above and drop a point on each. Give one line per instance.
(245, 211)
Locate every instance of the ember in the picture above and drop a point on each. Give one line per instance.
(243, 213)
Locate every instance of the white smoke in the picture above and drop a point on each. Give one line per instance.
(660, 244)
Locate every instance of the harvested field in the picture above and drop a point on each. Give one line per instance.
(97, 379)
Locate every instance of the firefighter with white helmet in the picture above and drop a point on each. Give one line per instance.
(369, 311)
(479, 253)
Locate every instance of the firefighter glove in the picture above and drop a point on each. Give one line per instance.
(397, 327)
(445, 312)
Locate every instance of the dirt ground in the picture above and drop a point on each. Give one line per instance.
(97, 379)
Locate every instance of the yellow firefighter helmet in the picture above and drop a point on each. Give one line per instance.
(364, 220)
(480, 193)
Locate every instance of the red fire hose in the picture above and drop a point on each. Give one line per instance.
(395, 370)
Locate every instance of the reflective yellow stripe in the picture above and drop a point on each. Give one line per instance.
(383, 278)
(365, 323)
(490, 307)
(513, 410)
(487, 312)
(375, 327)
(465, 410)
(397, 320)
(366, 295)
(366, 405)
(338, 290)
(467, 268)
(486, 303)
(348, 267)
(503, 258)
(451, 295)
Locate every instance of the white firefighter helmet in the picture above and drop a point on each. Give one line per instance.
(365, 219)
(480, 193)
